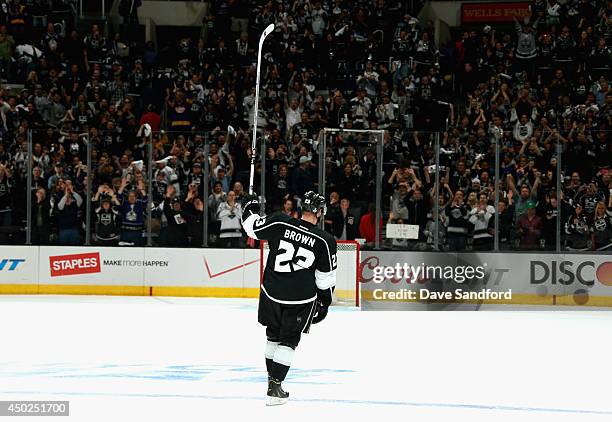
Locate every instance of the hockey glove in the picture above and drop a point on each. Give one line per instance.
(325, 296)
(250, 205)
(320, 312)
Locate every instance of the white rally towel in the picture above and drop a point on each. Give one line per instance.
(165, 160)
(139, 165)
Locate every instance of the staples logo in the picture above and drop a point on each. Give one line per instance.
(82, 263)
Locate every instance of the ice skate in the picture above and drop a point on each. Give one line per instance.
(276, 394)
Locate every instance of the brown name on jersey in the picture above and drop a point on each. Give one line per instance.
(299, 237)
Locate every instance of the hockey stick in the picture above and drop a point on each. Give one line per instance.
(266, 32)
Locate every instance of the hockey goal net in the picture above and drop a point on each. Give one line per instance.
(347, 275)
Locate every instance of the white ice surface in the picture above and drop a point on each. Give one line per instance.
(177, 359)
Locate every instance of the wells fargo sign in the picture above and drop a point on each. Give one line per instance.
(494, 12)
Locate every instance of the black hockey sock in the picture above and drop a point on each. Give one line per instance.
(282, 362)
(279, 371)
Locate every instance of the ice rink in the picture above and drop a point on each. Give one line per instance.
(177, 359)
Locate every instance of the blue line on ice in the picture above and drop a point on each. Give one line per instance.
(193, 372)
(330, 401)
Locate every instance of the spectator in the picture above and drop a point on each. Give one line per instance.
(430, 228)
(132, 208)
(68, 216)
(230, 213)
(530, 227)
(550, 213)
(417, 208)
(367, 225)
(108, 220)
(41, 216)
(525, 196)
(457, 231)
(347, 183)
(601, 229)
(505, 209)
(333, 207)
(152, 118)
(480, 217)
(344, 223)
(360, 108)
(288, 209)
(526, 48)
(577, 229)
(293, 111)
(302, 179)
(280, 187)
(170, 177)
(238, 191)
(178, 221)
(7, 45)
(6, 212)
(523, 129)
(398, 205)
(220, 176)
(589, 199)
(217, 196)
(194, 208)
(242, 49)
(195, 179)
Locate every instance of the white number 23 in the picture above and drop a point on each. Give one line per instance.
(290, 260)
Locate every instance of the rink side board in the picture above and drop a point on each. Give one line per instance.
(129, 271)
(467, 281)
(545, 279)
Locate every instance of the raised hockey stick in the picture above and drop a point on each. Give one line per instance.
(266, 32)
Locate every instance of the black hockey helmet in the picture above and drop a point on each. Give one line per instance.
(313, 202)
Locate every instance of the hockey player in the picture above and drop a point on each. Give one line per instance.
(299, 279)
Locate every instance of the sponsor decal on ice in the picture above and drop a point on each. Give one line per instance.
(82, 263)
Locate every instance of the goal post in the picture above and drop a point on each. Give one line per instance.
(347, 291)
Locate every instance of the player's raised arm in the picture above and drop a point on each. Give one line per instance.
(257, 227)
(250, 214)
(251, 221)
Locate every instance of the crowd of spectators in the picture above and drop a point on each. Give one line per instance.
(344, 64)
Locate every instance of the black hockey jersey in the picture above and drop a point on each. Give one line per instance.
(302, 257)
